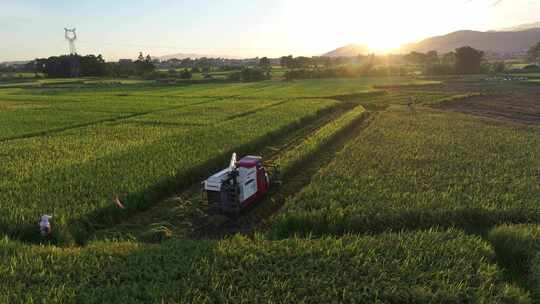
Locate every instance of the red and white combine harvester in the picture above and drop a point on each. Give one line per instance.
(239, 186)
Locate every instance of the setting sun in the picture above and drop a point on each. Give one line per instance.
(383, 26)
(383, 42)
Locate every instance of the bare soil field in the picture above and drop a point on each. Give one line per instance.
(516, 103)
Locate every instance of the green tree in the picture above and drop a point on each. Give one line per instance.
(266, 66)
(533, 55)
(301, 62)
(432, 57)
(468, 60)
(186, 74)
(264, 63)
(72, 66)
(286, 61)
(449, 58)
(144, 65)
(498, 67)
(247, 75)
(416, 58)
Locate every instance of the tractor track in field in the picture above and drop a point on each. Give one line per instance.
(259, 217)
(185, 215)
(160, 214)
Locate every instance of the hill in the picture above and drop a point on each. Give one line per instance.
(350, 50)
(521, 27)
(494, 42)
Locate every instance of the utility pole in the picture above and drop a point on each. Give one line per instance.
(71, 36)
(75, 67)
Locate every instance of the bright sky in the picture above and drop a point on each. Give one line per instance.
(242, 28)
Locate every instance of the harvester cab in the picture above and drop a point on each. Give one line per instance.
(239, 186)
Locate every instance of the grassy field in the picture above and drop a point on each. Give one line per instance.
(422, 168)
(517, 248)
(70, 150)
(406, 210)
(424, 267)
(76, 172)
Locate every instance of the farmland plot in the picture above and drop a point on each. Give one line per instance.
(420, 267)
(31, 111)
(33, 115)
(265, 89)
(410, 167)
(412, 170)
(75, 173)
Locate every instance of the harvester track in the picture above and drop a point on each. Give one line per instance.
(185, 215)
(259, 217)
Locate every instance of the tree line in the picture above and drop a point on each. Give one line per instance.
(464, 60)
(303, 62)
(90, 66)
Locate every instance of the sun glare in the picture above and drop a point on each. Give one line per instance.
(383, 45)
(371, 24)
(383, 26)
(382, 40)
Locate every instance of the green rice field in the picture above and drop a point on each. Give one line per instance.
(391, 190)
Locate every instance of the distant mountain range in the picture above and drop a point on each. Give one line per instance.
(350, 50)
(515, 40)
(521, 27)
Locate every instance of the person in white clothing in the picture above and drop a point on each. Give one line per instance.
(45, 225)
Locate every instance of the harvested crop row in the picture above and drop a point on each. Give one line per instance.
(319, 139)
(422, 267)
(419, 169)
(455, 98)
(75, 174)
